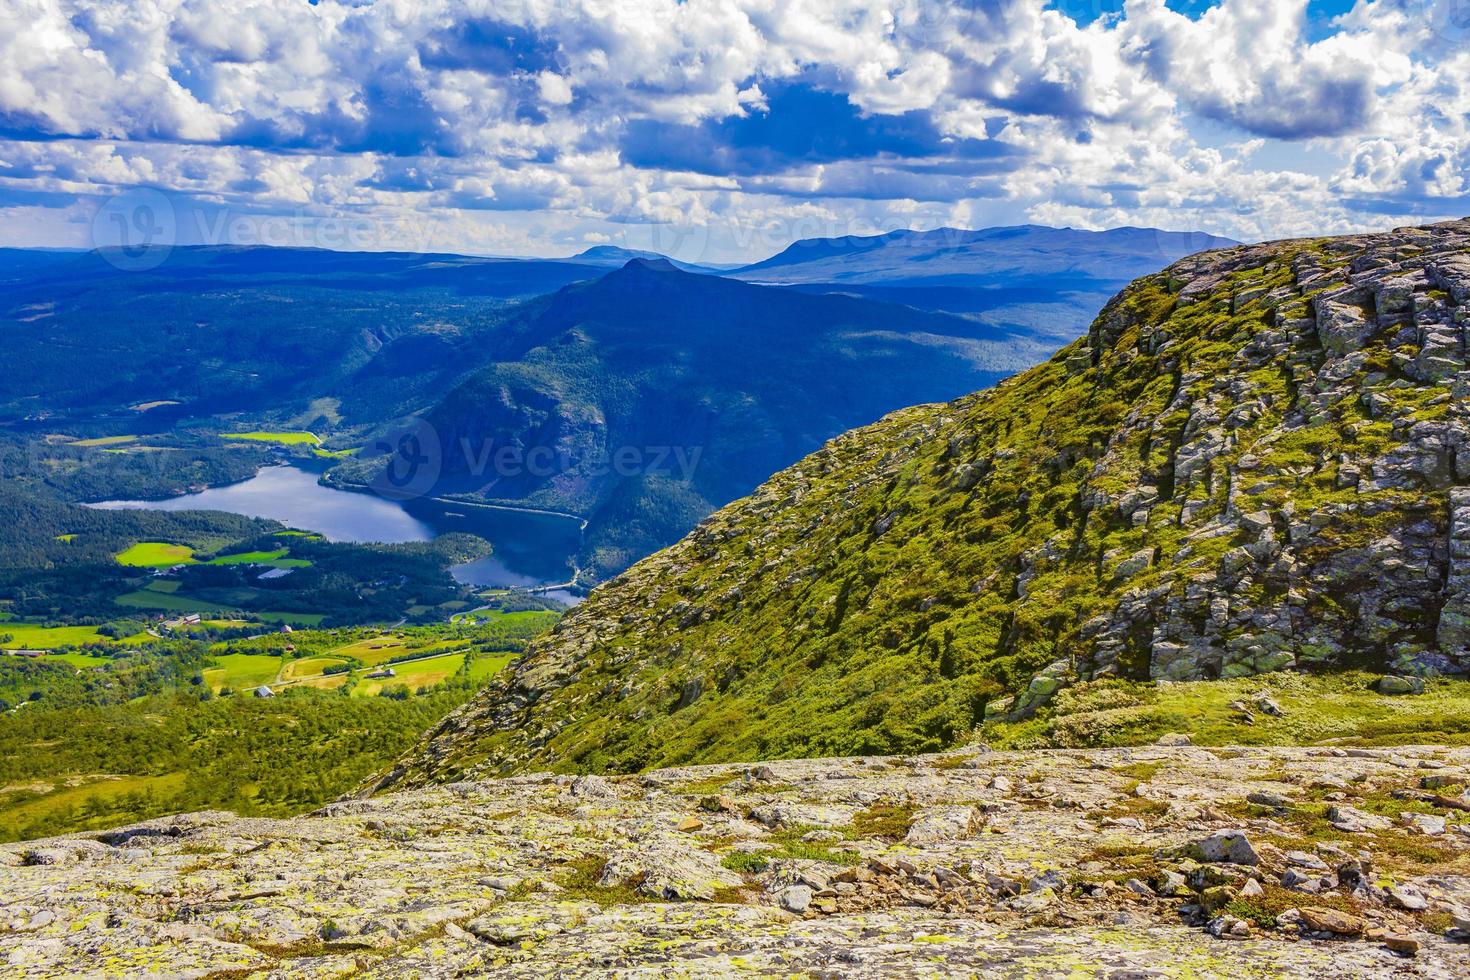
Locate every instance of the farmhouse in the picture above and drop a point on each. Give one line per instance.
(385, 672)
(264, 691)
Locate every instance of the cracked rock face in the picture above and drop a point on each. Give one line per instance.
(1149, 862)
(1257, 460)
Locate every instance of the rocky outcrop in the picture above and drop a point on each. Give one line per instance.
(1167, 862)
(1257, 460)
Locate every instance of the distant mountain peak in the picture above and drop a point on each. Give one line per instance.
(614, 254)
(659, 264)
(987, 256)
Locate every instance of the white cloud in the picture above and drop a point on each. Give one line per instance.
(505, 117)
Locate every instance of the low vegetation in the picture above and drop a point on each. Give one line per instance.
(1343, 708)
(120, 733)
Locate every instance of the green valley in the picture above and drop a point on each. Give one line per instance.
(149, 726)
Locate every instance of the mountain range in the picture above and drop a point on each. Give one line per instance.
(736, 380)
(1256, 460)
(581, 357)
(1045, 282)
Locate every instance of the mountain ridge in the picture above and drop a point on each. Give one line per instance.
(1153, 241)
(648, 356)
(1256, 460)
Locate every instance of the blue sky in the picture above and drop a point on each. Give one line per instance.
(721, 130)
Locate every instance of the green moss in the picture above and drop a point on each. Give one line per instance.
(745, 862)
(883, 820)
(581, 882)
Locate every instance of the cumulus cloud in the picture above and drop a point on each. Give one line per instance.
(564, 120)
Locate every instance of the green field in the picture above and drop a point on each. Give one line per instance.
(379, 649)
(163, 602)
(243, 670)
(294, 618)
(275, 559)
(419, 673)
(156, 554)
(307, 667)
(68, 538)
(279, 438)
(26, 636)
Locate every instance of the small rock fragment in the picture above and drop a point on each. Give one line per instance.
(1227, 846)
(1331, 920)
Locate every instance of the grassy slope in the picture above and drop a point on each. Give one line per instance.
(870, 599)
(1339, 708)
(26, 636)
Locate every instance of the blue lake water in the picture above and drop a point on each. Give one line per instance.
(530, 549)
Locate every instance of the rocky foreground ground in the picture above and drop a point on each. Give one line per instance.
(1164, 861)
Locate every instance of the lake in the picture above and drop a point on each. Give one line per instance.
(530, 549)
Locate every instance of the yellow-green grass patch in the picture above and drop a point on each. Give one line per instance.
(29, 636)
(68, 538)
(307, 667)
(325, 683)
(242, 670)
(379, 650)
(279, 438)
(415, 674)
(156, 554)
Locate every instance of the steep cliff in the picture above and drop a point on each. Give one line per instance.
(1256, 460)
